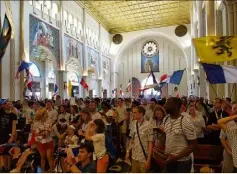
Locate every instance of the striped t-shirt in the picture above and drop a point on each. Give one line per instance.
(177, 135)
(231, 132)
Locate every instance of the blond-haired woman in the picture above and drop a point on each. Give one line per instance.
(44, 141)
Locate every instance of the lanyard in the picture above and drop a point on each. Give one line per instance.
(217, 117)
(138, 127)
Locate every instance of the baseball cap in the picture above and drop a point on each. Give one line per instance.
(2, 101)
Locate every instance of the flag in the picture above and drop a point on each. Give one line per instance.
(176, 77)
(128, 89)
(84, 84)
(5, 36)
(220, 73)
(216, 48)
(55, 90)
(69, 88)
(23, 66)
(30, 81)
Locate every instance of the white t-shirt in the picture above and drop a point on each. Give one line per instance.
(99, 145)
(66, 116)
(96, 116)
(198, 122)
(53, 115)
(28, 114)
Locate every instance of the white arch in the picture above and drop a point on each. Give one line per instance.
(145, 34)
(51, 56)
(76, 61)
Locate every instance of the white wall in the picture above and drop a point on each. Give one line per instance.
(171, 58)
(130, 49)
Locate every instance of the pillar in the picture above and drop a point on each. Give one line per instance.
(202, 87)
(0, 62)
(100, 81)
(85, 55)
(21, 47)
(12, 69)
(210, 31)
(62, 77)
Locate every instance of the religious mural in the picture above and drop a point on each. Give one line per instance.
(73, 48)
(43, 37)
(150, 57)
(93, 59)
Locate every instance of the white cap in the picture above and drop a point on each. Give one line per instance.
(71, 126)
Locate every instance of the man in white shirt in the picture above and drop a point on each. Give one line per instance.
(150, 109)
(53, 114)
(93, 112)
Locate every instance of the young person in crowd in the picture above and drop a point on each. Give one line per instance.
(198, 122)
(44, 141)
(74, 117)
(96, 133)
(212, 125)
(7, 133)
(85, 119)
(71, 138)
(85, 163)
(93, 110)
(59, 132)
(141, 138)
(122, 122)
(229, 126)
(53, 114)
(63, 113)
(150, 109)
(178, 129)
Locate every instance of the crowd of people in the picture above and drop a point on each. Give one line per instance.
(91, 135)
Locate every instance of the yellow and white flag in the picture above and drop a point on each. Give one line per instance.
(69, 88)
(216, 48)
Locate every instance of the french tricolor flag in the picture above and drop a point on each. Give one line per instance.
(220, 73)
(23, 66)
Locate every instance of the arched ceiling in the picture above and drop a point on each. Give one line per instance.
(125, 16)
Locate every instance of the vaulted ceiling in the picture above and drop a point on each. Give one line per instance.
(124, 16)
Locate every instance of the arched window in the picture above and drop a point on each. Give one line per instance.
(73, 77)
(34, 70)
(51, 74)
(54, 10)
(75, 22)
(150, 91)
(47, 6)
(69, 20)
(65, 17)
(79, 28)
(38, 4)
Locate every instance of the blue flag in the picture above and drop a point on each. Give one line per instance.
(176, 77)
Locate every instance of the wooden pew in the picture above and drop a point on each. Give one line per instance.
(208, 155)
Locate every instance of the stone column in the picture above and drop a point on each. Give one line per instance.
(210, 31)
(202, 87)
(62, 77)
(12, 69)
(100, 82)
(0, 62)
(21, 47)
(85, 55)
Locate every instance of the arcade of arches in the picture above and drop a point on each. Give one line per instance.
(69, 40)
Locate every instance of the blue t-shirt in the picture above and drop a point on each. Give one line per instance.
(89, 168)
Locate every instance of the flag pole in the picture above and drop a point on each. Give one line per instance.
(213, 89)
(232, 91)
